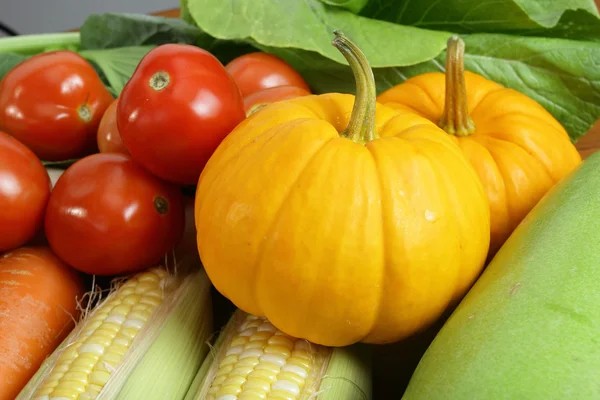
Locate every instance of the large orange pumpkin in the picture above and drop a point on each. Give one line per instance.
(341, 220)
(518, 149)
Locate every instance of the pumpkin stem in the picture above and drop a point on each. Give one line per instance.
(456, 119)
(361, 127)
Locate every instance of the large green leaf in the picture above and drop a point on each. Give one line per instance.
(548, 12)
(101, 31)
(577, 19)
(578, 24)
(308, 25)
(324, 75)
(562, 75)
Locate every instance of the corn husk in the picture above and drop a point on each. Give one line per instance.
(341, 373)
(163, 357)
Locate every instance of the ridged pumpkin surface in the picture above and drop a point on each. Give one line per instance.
(518, 149)
(336, 241)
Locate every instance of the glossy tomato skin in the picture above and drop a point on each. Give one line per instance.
(53, 102)
(109, 216)
(257, 71)
(24, 192)
(109, 138)
(272, 95)
(176, 109)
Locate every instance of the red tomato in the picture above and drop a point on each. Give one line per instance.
(53, 102)
(176, 109)
(257, 71)
(109, 216)
(259, 99)
(24, 193)
(109, 138)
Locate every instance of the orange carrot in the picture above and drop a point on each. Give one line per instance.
(38, 308)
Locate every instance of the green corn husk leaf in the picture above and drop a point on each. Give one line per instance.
(164, 357)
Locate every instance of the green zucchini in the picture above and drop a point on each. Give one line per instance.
(529, 329)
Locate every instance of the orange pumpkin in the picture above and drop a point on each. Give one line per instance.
(339, 219)
(518, 149)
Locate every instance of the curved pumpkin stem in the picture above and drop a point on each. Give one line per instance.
(361, 127)
(456, 119)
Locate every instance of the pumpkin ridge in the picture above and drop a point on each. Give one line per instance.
(428, 153)
(234, 153)
(482, 101)
(431, 96)
(384, 246)
(302, 103)
(528, 109)
(460, 272)
(405, 108)
(259, 254)
(332, 99)
(244, 148)
(440, 182)
(505, 186)
(216, 184)
(480, 141)
(438, 110)
(445, 140)
(387, 266)
(559, 133)
(537, 160)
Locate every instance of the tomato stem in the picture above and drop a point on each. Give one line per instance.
(161, 205)
(84, 113)
(361, 128)
(456, 119)
(159, 80)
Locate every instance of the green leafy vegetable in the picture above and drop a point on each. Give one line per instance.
(184, 12)
(572, 25)
(548, 12)
(562, 75)
(576, 19)
(307, 25)
(8, 61)
(117, 64)
(324, 75)
(101, 31)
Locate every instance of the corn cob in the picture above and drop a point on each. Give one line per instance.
(253, 360)
(146, 340)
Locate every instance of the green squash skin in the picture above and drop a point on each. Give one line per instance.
(529, 329)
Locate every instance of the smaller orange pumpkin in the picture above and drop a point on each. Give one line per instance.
(518, 149)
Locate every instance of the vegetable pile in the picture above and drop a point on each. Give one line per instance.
(249, 202)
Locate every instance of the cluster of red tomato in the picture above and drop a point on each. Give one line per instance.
(119, 208)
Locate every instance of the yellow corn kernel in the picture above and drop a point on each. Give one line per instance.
(146, 340)
(86, 366)
(252, 360)
(261, 362)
